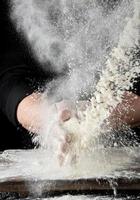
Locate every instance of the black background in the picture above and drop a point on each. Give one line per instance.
(11, 137)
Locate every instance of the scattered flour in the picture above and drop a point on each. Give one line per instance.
(121, 68)
(89, 40)
(83, 197)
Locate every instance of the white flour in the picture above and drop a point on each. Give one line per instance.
(89, 40)
(118, 73)
(83, 197)
(115, 79)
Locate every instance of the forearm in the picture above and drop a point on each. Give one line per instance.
(128, 111)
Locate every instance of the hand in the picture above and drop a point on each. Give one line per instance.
(33, 112)
(30, 111)
(67, 130)
(56, 136)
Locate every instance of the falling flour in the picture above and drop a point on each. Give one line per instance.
(117, 77)
(100, 59)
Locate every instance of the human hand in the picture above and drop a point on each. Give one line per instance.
(42, 118)
(67, 130)
(56, 137)
(60, 132)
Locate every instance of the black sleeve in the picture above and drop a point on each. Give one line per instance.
(16, 82)
(20, 75)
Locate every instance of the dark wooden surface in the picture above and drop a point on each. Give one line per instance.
(23, 187)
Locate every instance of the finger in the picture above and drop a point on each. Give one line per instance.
(66, 145)
(59, 133)
(65, 110)
(65, 148)
(68, 138)
(67, 158)
(65, 115)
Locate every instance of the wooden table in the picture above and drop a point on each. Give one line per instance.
(105, 184)
(80, 186)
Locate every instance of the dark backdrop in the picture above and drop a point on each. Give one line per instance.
(11, 137)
